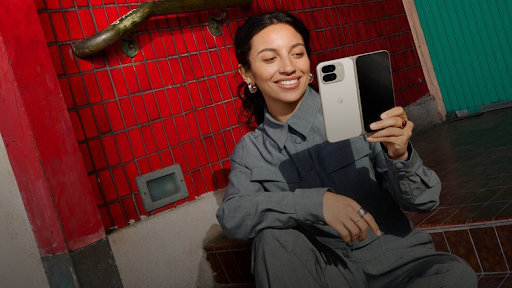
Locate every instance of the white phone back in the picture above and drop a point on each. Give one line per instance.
(340, 102)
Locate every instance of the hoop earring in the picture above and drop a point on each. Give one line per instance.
(252, 88)
(311, 77)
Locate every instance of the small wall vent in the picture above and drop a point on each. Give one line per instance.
(162, 187)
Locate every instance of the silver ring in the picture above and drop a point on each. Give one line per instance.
(361, 212)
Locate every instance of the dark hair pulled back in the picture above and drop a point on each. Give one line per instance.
(253, 104)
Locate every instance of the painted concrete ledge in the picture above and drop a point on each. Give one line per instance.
(424, 113)
(166, 250)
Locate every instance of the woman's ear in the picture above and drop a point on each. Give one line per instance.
(246, 75)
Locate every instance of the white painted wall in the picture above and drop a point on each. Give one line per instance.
(166, 250)
(20, 263)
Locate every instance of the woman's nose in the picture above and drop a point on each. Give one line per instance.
(287, 67)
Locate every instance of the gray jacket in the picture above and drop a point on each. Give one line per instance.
(280, 172)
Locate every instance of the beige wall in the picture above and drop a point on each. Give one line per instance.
(166, 250)
(20, 263)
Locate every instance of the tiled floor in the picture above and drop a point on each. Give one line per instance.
(473, 158)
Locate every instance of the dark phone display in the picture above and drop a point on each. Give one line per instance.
(375, 86)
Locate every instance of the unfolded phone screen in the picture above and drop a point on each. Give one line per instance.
(375, 86)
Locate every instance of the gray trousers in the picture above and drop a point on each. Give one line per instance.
(294, 258)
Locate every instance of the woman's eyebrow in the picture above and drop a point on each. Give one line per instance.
(274, 50)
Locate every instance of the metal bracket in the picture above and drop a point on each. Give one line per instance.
(215, 24)
(129, 47)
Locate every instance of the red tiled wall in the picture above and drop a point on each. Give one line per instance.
(175, 102)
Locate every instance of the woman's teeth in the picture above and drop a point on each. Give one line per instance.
(288, 82)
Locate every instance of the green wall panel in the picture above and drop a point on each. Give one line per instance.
(470, 45)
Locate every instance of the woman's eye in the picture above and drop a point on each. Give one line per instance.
(269, 60)
(298, 55)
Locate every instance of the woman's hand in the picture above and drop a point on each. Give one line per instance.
(341, 213)
(396, 133)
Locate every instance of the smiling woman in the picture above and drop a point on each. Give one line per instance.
(324, 214)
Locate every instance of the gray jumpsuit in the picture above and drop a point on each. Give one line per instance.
(279, 175)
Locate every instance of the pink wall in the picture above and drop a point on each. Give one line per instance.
(175, 102)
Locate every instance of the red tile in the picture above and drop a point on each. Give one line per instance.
(188, 70)
(98, 198)
(155, 161)
(144, 166)
(168, 43)
(140, 109)
(128, 113)
(203, 122)
(86, 21)
(55, 56)
(179, 158)
(237, 134)
(214, 90)
(504, 236)
(221, 146)
(199, 38)
(176, 71)
(211, 149)
(440, 242)
(230, 142)
(174, 101)
(198, 182)
(488, 212)
(462, 215)
(488, 249)
(221, 114)
(192, 193)
(124, 147)
(47, 27)
(205, 93)
(140, 206)
(181, 46)
(129, 209)
(212, 118)
(167, 158)
(184, 98)
(68, 58)
(59, 24)
(505, 214)
(100, 162)
(117, 214)
(193, 129)
(146, 47)
(200, 152)
(170, 130)
(149, 141)
(189, 39)
(151, 106)
(136, 143)
(111, 150)
(209, 179)
(165, 71)
(100, 18)
(92, 88)
(460, 244)
(232, 114)
(119, 83)
(224, 56)
(217, 66)
(491, 281)
(142, 76)
(74, 25)
(101, 119)
(159, 133)
(132, 173)
(154, 75)
(131, 79)
(114, 114)
(197, 66)
(163, 104)
(105, 218)
(88, 122)
(77, 127)
(84, 150)
(182, 129)
(224, 88)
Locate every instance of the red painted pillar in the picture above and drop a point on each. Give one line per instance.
(39, 138)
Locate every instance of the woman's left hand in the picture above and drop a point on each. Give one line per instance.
(395, 134)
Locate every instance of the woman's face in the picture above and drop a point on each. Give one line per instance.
(279, 68)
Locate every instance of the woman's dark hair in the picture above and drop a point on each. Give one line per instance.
(253, 104)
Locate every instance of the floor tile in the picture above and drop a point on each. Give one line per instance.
(488, 249)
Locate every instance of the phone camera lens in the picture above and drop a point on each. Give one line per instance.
(328, 68)
(329, 77)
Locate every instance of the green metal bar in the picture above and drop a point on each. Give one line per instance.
(132, 20)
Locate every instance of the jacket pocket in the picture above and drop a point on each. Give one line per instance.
(343, 154)
(276, 180)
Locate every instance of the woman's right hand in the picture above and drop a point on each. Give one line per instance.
(341, 213)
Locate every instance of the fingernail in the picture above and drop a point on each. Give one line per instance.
(373, 126)
(370, 138)
(384, 116)
(379, 233)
